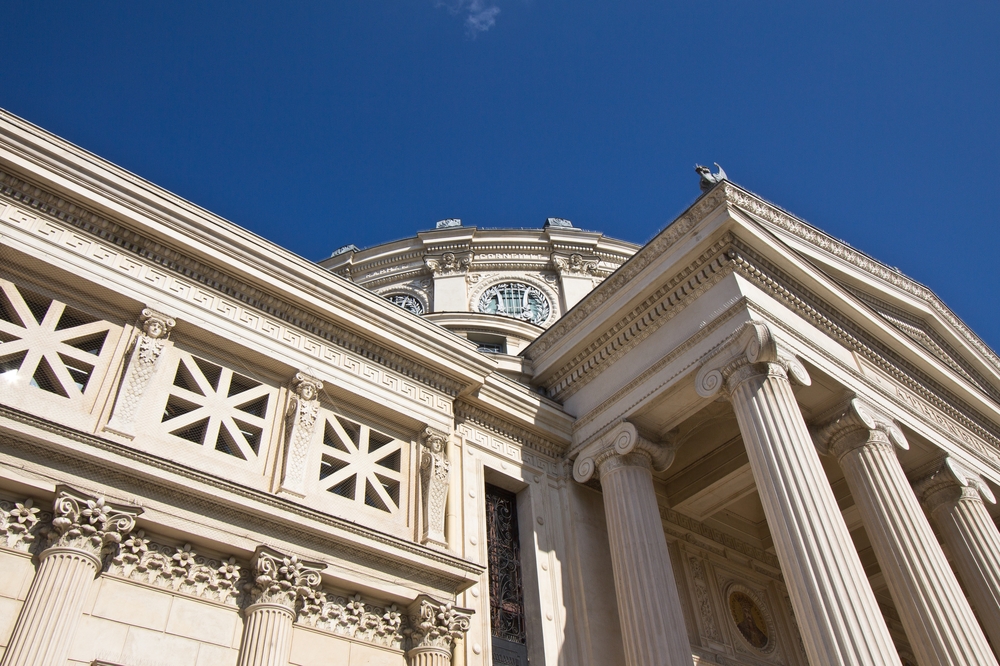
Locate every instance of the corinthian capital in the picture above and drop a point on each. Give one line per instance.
(952, 480)
(623, 440)
(283, 579)
(857, 424)
(751, 350)
(437, 625)
(88, 522)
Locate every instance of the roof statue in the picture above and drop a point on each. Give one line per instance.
(709, 179)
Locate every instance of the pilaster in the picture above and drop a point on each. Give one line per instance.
(434, 473)
(451, 292)
(935, 614)
(838, 616)
(651, 616)
(300, 422)
(83, 528)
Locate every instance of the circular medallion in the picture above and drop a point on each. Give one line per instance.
(750, 620)
(516, 300)
(407, 302)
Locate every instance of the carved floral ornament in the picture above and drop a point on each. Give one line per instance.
(575, 264)
(449, 263)
(751, 350)
(623, 440)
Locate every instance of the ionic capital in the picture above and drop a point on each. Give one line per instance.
(857, 424)
(950, 481)
(623, 445)
(88, 523)
(751, 351)
(283, 580)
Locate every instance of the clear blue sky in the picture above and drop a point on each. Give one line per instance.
(326, 123)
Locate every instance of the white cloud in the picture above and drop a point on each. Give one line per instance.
(480, 15)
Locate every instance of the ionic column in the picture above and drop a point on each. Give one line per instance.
(953, 496)
(838, 616)
(83, 527)
(935, 614)
(649, 607)
(280, 583)
(436, 629)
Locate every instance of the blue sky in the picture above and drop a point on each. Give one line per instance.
(326, 123)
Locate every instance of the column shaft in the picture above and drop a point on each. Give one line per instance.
(972, 540)
(935, 613)
(267, 636)
(52, 609)
(834, 606)
(429, 656)
(652, 621)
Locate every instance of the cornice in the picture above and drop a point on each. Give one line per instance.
(467, 412)
(176, 262)
(770, 213)
(666, 302)
(623, 275)
(128, 475)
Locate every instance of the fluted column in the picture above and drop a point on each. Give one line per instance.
(836, 611)
(280, 583)
(935, 614)
(436, 629)
(83, 527)
(649, 607)
(953, 496)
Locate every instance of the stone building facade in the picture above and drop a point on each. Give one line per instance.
(742, 443)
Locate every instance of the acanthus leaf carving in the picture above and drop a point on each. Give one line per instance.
(352, 617)
(449, 263)
(438, 625)
(575, 264)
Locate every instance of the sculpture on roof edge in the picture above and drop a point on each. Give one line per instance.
(709, 179)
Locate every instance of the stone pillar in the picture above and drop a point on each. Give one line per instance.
(576, 276)
(450, 287)
(838, 616)
(436, 629)
(652, 620)
(148, 348)
(953, 496)
(434, 472)
(935, 614)
(83, 527)
(300, 422)
(280, 583)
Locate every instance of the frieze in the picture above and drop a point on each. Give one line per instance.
(159, 267)
(22, 523)
(350, 616)
(466, 412)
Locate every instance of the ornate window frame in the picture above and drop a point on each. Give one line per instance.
(531, 280)
(771, 647)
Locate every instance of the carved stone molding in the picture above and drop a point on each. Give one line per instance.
(434, 471)
(575, 264)
(300, 424)
(283, 580)
(623, 440)
(88, 523)
(437, 625)
(147, 350)
(21, 523)
(449, 263)
(352, 617)
(857, 424)
(749, 351)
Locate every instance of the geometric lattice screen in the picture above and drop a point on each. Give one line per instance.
(212, 406)
(361, 465)
(46, 344)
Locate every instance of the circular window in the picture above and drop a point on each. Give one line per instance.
(516, 300)
(407, 302)
(750, 620)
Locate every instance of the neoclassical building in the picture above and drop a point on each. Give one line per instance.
(744, 442)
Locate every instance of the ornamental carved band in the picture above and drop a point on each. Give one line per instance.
(88, 523)
(952, 480)
(434, 471)
(148, 348)
(438, 625)
(300, 417)
(282, 579)
(854, 425)
(752, 350)
(625, 443)
(575, 264)
(449, 264)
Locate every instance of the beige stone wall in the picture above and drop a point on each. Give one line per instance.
(15, 579)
